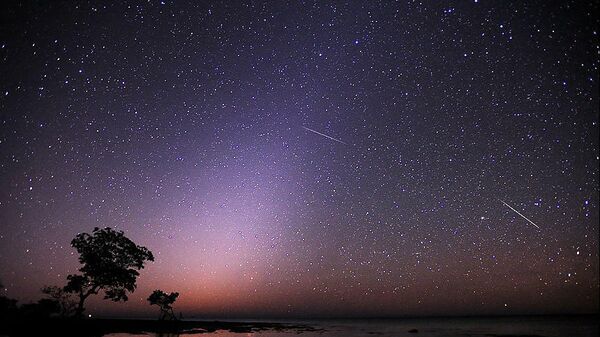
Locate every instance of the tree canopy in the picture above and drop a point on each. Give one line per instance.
(110, 263)
(65, 301)
(164, 302)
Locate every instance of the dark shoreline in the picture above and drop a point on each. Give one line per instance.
(100, 327)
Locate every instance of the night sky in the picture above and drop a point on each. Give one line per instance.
(362, 158)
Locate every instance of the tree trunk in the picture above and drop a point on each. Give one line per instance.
(80, 309)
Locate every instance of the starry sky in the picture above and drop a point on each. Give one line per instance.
(345, 158)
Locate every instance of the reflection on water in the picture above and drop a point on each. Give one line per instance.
(433, 327)
(220, 333)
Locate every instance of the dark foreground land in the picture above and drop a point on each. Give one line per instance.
(100, 327)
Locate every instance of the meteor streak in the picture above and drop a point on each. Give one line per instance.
(324, 135)
(522, 216)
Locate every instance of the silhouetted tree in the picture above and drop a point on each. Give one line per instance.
(164, 302)
(66, 303)
(110, 263)
(44, 308)
(8, 307)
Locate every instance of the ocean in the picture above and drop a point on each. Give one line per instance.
(527, 326)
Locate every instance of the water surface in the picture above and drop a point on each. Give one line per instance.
(430, 327)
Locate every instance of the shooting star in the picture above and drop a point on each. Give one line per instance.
(522, 216)
(324, 135)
